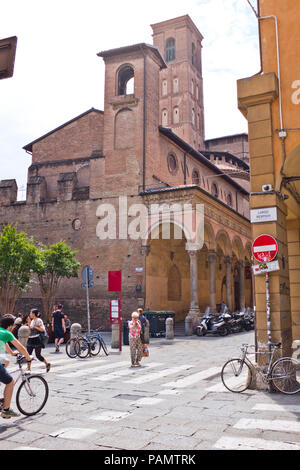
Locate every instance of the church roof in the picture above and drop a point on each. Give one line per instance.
(200, 157)
(28, 147)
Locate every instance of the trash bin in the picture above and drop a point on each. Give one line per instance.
(157, 321)
(125, 333)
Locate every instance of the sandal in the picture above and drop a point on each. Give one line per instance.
(48, 366)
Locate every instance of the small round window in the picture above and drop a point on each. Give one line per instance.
(172, 163)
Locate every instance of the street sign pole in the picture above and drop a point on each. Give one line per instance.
(264, 250)
(268, 306)
(88, 307)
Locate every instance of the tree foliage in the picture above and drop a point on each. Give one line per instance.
(56, 262)
(18, 259)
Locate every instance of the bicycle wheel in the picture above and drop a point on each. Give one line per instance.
(285, 375)
(103, 345)
(32, 395)
(236, 375)
(82, 348)
(95, 345)
(70, 348)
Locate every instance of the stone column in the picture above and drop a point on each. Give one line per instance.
(241, 267)
(228, 264)
(212, 256)
(192, 250)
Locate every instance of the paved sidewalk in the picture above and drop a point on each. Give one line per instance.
(176, 401)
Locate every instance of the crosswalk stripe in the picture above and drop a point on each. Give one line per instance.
(249, 443)
(268, 425)
(111, 415)
(275, 407)
(233, 382)
(91, 370)
(121, 373)
(157, 375)
(73, 433)
(193, 378)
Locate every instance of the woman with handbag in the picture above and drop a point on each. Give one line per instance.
(34, 341)
(135, 342)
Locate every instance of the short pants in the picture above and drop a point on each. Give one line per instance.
(5, 377)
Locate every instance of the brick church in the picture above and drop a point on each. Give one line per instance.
(146, 147)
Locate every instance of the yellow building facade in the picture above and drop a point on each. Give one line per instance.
(270, 101)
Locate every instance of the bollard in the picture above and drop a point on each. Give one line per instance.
(296, 350)
(115, 341)
(146, 334)
(188, 326)
(23, 335)
(169, 328)
(75, 330)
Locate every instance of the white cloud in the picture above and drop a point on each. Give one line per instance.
(58, 75)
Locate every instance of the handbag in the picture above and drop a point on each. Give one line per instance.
(44, 338)
(145, 350)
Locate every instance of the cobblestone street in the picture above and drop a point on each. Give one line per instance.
(176, 401)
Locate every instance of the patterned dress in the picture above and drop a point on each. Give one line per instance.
(135, 343)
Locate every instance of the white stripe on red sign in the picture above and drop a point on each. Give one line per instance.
(258, 249)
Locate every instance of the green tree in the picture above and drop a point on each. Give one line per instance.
(18, 259)
(56, 262)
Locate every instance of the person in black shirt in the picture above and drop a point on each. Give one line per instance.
(58, 326)
(143, 322)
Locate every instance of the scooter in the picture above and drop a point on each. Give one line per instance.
(212, 324)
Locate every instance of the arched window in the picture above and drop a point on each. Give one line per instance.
(164, 87)
(175, 85)
(214, 190)
(170, 50)
(125, 80)
(193, 116)
(193, 54)
(192, 87)
(195, 177)
(164, 117)
(229, 199)
(176, 115)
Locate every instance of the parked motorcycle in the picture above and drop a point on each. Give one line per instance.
(210, 324)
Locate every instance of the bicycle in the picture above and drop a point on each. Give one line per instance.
(77, 346)
(33, 392)
(283, 373)
(96, 342)
(87, 344)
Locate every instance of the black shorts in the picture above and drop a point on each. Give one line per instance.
(5, 377)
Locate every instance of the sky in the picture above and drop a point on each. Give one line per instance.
(58, 76)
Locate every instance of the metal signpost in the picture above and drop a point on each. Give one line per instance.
(87, 276)
(115, 285)
(264, 250)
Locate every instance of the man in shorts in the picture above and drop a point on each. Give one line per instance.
(6, 336)
(58, 326)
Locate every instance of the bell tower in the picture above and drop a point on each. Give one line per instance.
(131, 117)
(181, 84)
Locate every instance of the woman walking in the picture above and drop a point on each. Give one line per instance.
(135, 343)
(34, 342)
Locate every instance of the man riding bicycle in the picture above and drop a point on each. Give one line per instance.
(6, 336)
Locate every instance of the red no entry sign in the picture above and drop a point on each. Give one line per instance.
(264, 248)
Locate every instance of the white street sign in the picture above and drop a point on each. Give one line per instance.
(265, 214)
(263, 268)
